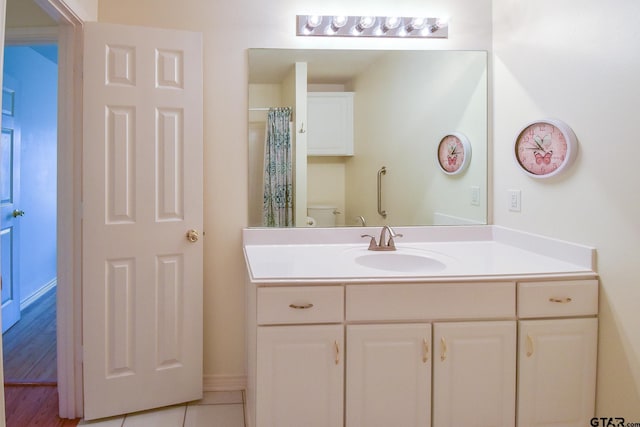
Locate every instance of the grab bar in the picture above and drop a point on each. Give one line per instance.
(382, 171)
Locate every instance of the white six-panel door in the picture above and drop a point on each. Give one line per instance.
(142, 194)
(10, 213)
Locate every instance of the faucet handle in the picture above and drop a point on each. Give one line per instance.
(372, 242)
(391, 243)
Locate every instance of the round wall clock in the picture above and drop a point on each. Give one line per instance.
(454, 153)
(545, 148)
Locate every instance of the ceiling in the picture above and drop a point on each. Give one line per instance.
(323, 66)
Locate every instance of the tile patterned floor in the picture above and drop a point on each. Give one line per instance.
(216, 409)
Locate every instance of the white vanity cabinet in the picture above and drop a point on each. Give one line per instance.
(474, 373)
(300, 357)
(473, 361)
(330, 123)
(301, 372)
(388, 375)
(422, 354)
(557, 352)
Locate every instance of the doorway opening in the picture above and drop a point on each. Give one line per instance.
(62, 24)
(28, 218)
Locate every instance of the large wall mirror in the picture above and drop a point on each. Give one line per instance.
(400, 106)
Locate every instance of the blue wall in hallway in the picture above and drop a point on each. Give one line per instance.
(36, 71)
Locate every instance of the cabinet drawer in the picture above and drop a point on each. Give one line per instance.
(427, 301)
(303, 304)
(555, 299)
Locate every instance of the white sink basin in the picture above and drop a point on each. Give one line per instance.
(399, 261)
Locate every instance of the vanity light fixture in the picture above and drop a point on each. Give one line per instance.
(372, 26)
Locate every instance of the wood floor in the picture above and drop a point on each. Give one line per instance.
(29, 347)
(29, 357)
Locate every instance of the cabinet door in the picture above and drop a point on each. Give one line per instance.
(330, 117)
(557, 372)
(389, 375)
(474, 374)
(300, 376)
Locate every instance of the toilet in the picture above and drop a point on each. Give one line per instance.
(322, 215)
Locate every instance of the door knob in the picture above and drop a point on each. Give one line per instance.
(17, 213)
(192, 236)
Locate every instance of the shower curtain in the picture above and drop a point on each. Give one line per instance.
(277, 207)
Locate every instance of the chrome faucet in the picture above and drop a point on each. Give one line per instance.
(384, 243)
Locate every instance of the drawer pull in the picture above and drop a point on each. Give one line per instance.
(565, 300)
(337, 352)
(443, 349)
(529, 346)
(425, 350)
(301, 306)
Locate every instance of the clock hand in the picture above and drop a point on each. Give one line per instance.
(539, 141)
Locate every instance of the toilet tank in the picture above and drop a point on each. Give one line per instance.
(323, 215)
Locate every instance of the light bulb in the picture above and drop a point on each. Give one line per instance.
(338, 22)
(440, 23)
(390, 23)
(416, 24)
(312, 22)
(364, 23)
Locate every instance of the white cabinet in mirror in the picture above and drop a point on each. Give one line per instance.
(330, 119)
(400, 112)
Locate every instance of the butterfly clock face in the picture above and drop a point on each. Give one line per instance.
(454, 153)
(545, 148)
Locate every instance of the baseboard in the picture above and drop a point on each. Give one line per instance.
(224, 382)
(37, 294)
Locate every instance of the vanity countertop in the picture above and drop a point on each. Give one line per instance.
(473, 252)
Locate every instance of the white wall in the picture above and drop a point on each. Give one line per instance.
(229, 29)
(326, 185)
(431, 95)
(26, 13)
(326, 180)
(36, 104)
(579, 61)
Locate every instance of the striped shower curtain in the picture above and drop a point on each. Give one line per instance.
(277, 208)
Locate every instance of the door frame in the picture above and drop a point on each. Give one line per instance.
(69, 36)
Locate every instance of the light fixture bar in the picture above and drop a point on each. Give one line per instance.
(372, 26)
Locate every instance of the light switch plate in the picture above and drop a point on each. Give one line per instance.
(475, 195)
(514, 200)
